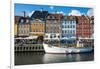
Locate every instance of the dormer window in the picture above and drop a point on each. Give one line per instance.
(27, 21)
(22, 20)
(51, 17)
(55, 17)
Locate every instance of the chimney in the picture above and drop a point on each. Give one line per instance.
(24, 13)
(55, 12)
(41, 9)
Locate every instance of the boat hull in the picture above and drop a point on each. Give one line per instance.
(60, 50)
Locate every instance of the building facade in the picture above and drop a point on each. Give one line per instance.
(83, 27)
(92, 26)
(24, 27)
(53, 29)
(37, 27)
(16, 25)
(68, 28)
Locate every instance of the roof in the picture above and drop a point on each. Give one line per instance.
(69, 17)
(37, 20)
(83, 17)
(39, 15)
(25, 20)
(54, 16)
(17, 19)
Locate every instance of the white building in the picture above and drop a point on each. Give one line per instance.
(68, 27)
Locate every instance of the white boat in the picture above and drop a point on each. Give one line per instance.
(61, 50)
(50, 47)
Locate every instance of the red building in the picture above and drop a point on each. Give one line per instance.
(84, 27)
(92, 24)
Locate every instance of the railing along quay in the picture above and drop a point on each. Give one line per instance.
(28, 47)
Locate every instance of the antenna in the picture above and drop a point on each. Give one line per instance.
(55, 12)
(41, 9)
(24, 13)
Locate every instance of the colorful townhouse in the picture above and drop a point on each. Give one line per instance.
(24, 27)
(53, 28)
(68, 28)
(37, 28)
(16, 25)
(83, 27)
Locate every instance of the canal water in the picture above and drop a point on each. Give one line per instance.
(27, 58)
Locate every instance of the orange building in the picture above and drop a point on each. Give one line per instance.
(37, 28)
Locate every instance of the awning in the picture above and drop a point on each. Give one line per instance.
(30, 37)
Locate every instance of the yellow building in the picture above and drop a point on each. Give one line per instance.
(37, 28)
(15, 29)
(16, 25)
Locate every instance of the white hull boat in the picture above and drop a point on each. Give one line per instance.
(62, 50)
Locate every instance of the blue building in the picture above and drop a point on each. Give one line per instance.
(68, 29)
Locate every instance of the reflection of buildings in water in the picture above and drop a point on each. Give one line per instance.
(28, 53)
(78, 58)
(73, 57)
(28, 58)
(55, 58)
(42, 58)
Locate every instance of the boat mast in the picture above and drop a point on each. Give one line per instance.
(60, 32)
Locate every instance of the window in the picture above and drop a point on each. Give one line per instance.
(51, 17)
(65, 26)
(65, 31)
(70, 31)
(73, 26)
(68, 26)
(70, 22)
(62, 26)
(73, 31)
(74, 22)
(46, 36)
(46, 30)
(27, 21)
(65, 22)
(62, 31)
(55, 36)
(58, 36)
(55, 21)
(22, 20)
(50, 36)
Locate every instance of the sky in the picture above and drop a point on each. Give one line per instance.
(65, 10)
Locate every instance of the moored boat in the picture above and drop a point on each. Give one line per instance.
(62, 50)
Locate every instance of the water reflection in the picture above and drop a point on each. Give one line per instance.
(42, 58)
(52, 58)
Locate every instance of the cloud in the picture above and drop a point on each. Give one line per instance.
(60, 12)
(51, 7)
(90, 12)
(30, 14)
(75, 13)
